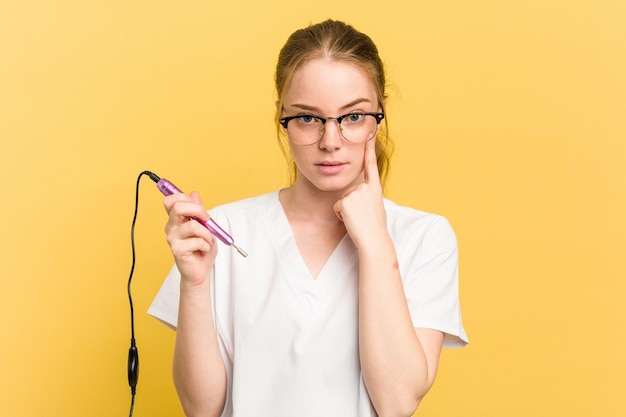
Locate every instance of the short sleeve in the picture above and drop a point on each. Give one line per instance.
(431, 280)
(165, 305)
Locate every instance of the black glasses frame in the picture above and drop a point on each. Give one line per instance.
(284, 121)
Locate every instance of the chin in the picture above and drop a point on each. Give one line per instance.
(334, 184)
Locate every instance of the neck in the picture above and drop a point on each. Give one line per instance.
(301, 203)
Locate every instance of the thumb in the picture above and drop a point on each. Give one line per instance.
(195, 197)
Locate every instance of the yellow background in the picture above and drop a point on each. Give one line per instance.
(509, 118)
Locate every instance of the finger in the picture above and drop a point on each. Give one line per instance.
(191, 245)
(194, 229)
(203, 215)
(370, 164)
(188, 230)
(185, 206)
(170, 201)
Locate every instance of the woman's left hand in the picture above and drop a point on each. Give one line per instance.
(361, 207)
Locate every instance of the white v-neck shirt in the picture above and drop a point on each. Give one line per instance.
(290, 342)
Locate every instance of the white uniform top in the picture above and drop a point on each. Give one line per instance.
(290, 342)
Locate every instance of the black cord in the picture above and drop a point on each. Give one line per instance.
(133, 354)
(132, 405)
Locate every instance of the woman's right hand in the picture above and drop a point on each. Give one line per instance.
(193, 246)
(198, 368)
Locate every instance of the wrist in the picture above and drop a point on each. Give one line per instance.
(375, 245)
(194, 285)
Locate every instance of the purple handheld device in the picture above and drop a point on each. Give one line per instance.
(167, 188)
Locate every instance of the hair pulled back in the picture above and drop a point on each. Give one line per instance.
(341, 42)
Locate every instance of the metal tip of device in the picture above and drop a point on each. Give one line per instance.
(241, 251)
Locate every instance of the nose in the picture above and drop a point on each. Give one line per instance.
(331, 135)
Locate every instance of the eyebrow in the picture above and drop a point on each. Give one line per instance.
(346, 106)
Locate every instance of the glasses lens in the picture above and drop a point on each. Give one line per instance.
(358, 127)
(305, 130)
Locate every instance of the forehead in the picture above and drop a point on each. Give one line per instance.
(329, 84)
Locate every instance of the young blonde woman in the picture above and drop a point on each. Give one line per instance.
(346, 299)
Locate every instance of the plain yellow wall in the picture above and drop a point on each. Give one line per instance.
(509, 118)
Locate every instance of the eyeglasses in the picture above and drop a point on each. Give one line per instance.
(356, 127)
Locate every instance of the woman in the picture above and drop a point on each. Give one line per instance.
(346, 299)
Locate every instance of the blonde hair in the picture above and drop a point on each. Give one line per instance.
(338, 41)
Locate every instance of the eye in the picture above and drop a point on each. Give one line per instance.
(354, 117)
(307, 119)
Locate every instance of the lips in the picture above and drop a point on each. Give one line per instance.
(330, 167)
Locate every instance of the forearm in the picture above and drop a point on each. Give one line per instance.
(198, 368)
(394, 365)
